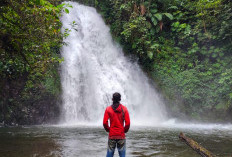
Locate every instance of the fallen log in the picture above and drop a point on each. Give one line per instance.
(195, 146)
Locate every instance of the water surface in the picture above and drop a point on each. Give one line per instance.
(87, 141)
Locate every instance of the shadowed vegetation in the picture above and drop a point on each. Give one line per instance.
(30, 42)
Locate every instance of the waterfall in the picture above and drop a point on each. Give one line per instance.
(95, 67)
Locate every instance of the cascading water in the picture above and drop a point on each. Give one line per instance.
(95, 67)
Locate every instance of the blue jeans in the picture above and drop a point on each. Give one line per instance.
(121, 146)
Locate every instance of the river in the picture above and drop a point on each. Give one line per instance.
(91, 141)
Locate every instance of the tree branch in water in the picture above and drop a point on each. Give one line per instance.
(195, 146)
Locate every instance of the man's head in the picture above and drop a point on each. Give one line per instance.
(116, 98)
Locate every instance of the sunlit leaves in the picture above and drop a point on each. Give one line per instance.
(153, 11)
(168, 15)
(150, 54)
(154, 21)
(158, 16)
(66, 10)
(39, 2)
(61, 5)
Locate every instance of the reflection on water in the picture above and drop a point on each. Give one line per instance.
(86, 141)
(23, 142)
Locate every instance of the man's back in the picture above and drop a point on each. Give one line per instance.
(117, 118)
(116, 114)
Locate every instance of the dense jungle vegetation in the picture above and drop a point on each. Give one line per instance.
(184, 45)
(29, 49)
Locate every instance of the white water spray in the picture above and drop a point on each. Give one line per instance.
(95, 67)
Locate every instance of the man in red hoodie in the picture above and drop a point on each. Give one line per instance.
(117, 114)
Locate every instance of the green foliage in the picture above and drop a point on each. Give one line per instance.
(29, 49)
(135, 33)
(29, 30)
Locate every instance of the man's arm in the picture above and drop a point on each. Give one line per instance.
(105, 121)
(127, 121)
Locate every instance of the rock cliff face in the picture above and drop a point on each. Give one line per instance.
(43, 111)
(21, 107)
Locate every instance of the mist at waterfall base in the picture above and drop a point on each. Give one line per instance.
(95, 67)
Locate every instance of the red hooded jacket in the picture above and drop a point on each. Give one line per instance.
(117, 129)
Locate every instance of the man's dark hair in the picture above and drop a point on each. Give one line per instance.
(116, 97)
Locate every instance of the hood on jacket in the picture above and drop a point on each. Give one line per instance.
(117, 107)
